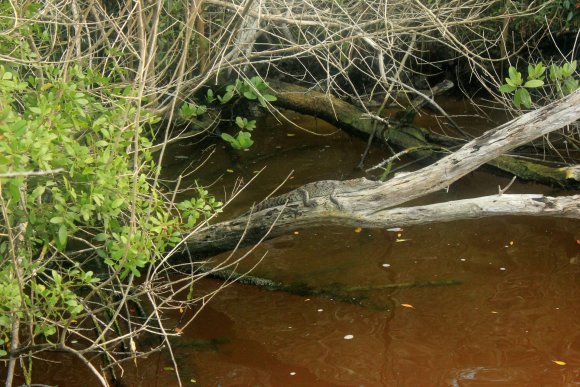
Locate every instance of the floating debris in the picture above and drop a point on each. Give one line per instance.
(348, 337)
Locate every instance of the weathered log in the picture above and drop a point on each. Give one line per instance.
(361, 202)
(225, 235)
(430, 147)
(356, 120)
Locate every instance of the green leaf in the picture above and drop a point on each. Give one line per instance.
(555, 73)
(62, 235)
(117, 202)
(506, 88)
(57, 220)
(48, 330)
(568, 69)
(240, 122)
(245, 140)
(269, 97)
(201, 109)
(250, 95)
(534, 83)
(518, 98)
(226, 97)
(512, 72)
(250, 125)
(524, 97)
(37, 192)
(227, 137)
(571, 85)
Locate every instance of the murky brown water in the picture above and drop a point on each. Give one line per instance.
(506, 307)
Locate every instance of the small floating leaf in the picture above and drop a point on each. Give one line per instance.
(290, 134)
(168, 369)
(559, 362)
(230, 170)
(296, 232)
(358, 230)
(408, 306)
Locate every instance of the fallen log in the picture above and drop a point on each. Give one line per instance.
(226, 235)
(365, 203)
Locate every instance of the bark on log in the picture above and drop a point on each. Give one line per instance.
(361, 202)
(226, 235)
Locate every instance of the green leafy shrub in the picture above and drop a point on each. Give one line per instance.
(242, 141)
(78, 194)
(253, 89)
(561, 78)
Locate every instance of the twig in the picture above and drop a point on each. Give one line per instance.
(502, 191)
(31, 173)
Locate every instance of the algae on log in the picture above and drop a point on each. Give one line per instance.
(325, 106)
(354, 119)
(430, 147)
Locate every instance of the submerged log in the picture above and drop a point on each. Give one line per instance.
(365, 203)
(356, 295)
